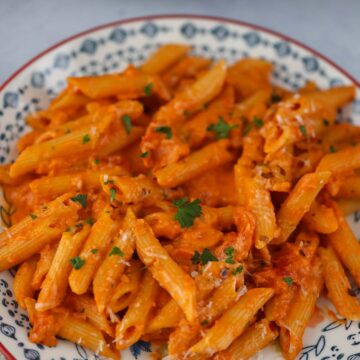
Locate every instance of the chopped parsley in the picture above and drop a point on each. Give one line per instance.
(148, 89)
(81, 199)
(165, 130)
(96, 161)
(79, 225)
(238, 270)
(229, 252)
(33, 216)
(94, 251)
(204, 322)
(89, 221)
(332, 148)
(275, 98)
(86, 138)
(77, 262)
(203, 258)
(258, 123)
(145, 154)
(289, 280)
(112, 194)
(221, 129)
(303, 130)
(126, 119)
(187, 211)
(116, 251)
(326, 122)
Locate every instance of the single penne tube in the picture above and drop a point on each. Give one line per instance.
(53, 289)
(200, 161)
(254, 339)
(335, 97)
(132, 325)
(69, 99)
(321, 218)
(233, 322)
(194, 97)
(300, 312)
(299, 202)
(36, 237)
(338, 133)
(341, 161)
(83, 333)
(338, 285)
(346, 245)
(126, 290)
(163, 58)
(127, 87)
(165, 270)
(168, 316)
(22, 281)
(43, 265)
(85, 305)
(349, 188)
(113, 266)
(94, 250)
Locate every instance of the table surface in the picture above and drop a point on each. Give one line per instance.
(28, 27)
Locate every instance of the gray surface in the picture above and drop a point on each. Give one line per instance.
(30, 26)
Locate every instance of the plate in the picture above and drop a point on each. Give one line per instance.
(110, 48)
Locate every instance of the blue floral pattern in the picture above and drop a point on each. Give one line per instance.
(110, 49)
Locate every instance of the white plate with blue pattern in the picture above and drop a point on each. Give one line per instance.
(110, 48)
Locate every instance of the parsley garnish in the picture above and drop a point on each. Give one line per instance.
(86, 138)
(96, 161)
(89, 221)
(229, 252)
(187, 211)
(79, 225)
(303, 130)
(289, 280)
(221, 129)
(116, 251)
(81, 199)
(112, 194)
(204, 322)
(238, 270)
(165, 130)
(94, 251)
(258, 122)
(326, 122)
(148, 89)
(126, 119)
(275, 98)
(77, 262)
(332, 148)
(33, 216)
(145, 154)
(203, 258)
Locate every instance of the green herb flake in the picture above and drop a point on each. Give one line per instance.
(303, 130)
(96, 161)
(86, 138)
(238, 270)
(289, 280)
(196, 258)
(221, 129)
(165, 130)
(148, 89)
(144, 155)
(89, 221)
(77, 262)
(203, 258)
(326, 122)
(81, 199)
(247, 129)
(126, 119)
(204, 322)
(94, 251)
(275, 98)
(332, 148)
(229, 252)
(79, 225)
(33, 216)
(187, 211)
(258, 123)
(112, 194)
(116, 251)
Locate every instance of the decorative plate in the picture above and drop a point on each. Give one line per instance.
(110, 48)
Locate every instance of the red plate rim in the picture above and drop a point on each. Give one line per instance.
(175, 16)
